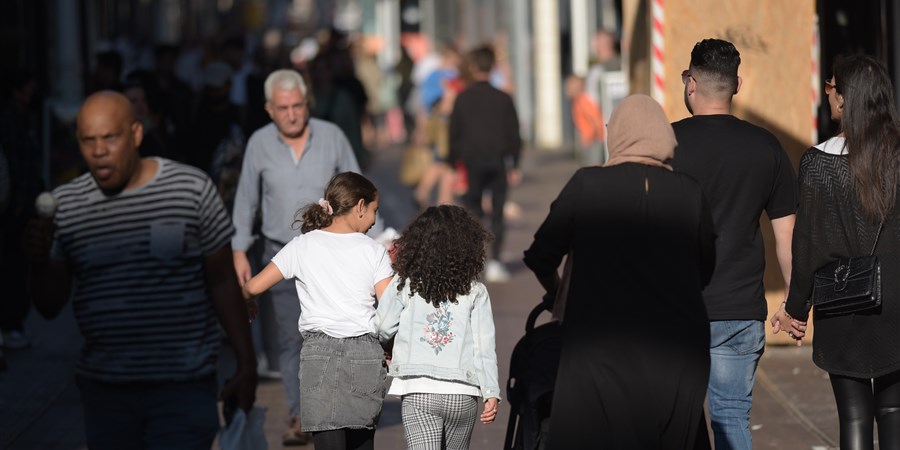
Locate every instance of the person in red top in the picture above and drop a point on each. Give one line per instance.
(588, 122)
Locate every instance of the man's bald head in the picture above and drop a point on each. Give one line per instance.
(109, 137)
(108, 103)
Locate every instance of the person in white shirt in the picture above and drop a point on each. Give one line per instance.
(338, 272)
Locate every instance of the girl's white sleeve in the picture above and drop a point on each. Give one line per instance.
(286, 260)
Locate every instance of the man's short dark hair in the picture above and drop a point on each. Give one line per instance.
(482, 58)
(716, 61)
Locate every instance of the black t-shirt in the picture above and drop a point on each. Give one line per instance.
(743, 171)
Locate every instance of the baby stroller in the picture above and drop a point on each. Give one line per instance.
(532, 377)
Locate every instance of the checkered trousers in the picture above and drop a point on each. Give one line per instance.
(438, 421)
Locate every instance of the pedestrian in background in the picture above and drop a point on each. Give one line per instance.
(439, 94)
(338, 273)
(849, 205)
(20, 142)
(484, 137)
(443, 359)
(141, 247)
(744, 172)
(588, 122)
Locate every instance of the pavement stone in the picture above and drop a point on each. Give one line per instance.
(40, 406)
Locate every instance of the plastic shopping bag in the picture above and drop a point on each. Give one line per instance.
(246, 431)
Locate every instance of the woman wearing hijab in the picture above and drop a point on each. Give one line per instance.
(635, 352)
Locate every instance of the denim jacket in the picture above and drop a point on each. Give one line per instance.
(452, 342)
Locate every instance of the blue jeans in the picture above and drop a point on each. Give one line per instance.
(286, 304)
(735, 348)
(178, 415)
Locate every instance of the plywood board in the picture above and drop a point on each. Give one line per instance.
(774, 38)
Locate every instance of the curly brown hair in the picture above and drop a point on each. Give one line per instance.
(441, 254)
(344, 191)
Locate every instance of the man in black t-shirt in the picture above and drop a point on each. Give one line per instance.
(743, 171)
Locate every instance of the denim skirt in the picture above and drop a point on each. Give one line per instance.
(342, 381)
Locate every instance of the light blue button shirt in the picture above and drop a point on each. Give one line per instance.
(285, 183)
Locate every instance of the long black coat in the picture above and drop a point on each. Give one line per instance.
(635, 359)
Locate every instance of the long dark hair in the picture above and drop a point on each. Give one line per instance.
(869, 123)
(441, 254)
(343, 193)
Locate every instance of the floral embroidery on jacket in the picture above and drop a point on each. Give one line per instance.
(437, 331)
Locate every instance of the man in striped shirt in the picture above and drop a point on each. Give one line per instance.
(142, 247)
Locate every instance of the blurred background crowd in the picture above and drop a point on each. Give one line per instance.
(386, 72)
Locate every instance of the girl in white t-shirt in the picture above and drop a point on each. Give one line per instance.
(439, 315)
(338, 272)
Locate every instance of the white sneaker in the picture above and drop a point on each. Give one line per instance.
(495, 272)
(262, 368)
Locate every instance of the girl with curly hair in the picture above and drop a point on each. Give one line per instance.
(338, 272)
(440, 317)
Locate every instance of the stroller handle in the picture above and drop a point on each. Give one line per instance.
(533, 315)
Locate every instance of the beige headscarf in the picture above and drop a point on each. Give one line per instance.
(639, 132)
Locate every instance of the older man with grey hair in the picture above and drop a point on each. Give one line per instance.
(287, 165)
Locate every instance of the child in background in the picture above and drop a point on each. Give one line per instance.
(338, 271)
(440, 316)
(588, 122)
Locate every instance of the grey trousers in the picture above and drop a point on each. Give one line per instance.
(284, 300)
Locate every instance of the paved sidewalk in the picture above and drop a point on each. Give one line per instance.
(39, 405)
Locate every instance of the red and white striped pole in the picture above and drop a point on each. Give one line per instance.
(657, 62)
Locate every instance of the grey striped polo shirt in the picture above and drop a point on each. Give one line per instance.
(139, 292)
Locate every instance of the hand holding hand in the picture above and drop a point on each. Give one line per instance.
(490, 411)
(782, 321)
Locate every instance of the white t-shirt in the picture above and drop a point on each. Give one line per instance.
(335, 275)
(834, 146)
(401, 386)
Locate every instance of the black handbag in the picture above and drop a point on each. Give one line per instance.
(849, 284)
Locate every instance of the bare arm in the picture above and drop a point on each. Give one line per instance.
(784, 231)
(264, 280)
(50, 287)
(50, 281)
(226, 298)
(783, 228)
(381, 286)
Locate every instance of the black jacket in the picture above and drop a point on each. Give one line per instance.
(484, 128)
